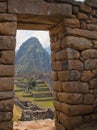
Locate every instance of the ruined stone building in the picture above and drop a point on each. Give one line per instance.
(73, 34)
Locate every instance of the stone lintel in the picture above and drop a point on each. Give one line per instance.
(36, 7)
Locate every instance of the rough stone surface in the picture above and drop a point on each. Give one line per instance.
(76, 43)
(66, 54)
(8, 28)
(75, 87)
(9, 45)
(69, 75)
(3, 7)
(91, 64)
(7, 57)
(9, 125)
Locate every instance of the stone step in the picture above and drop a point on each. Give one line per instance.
(41, 89)
(41, 95)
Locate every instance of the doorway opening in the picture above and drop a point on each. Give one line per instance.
(33, 83)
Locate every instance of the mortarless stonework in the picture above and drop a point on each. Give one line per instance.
(73, 57)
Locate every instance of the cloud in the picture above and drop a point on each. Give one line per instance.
(23, 35)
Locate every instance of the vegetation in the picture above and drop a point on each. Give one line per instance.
(16, 113)
(44, 102)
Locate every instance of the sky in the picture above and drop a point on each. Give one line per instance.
(43, 36)
(23, 35)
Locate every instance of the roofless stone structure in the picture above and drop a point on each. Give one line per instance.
(73, 32)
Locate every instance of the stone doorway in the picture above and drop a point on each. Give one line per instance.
(73, 33)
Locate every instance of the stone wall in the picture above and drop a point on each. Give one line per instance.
(7, 55)
(74, 65)
(74, 57)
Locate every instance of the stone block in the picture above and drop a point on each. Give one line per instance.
(88, 99)
(6, 83)
(76, 110)
(70, 98)
(57, 86)
(5, 116)
(93, 83)
(6, 95)
(6, 105)
(8, 17)
(86, 75)
(7, 57)
(8, 28)
(85, 8)
(72, 65)
(74, 23)
(7, 43)
(70, 122)
(67, 54)
(91, 64)
(77, 43)
(53, 56)
(95, 93)
(56, 46)
(69, 75)
(57, 29)
(54, 95)
(54, 75)
(59, 126)
(25, 7)
(75, 87)
(3, 7)
(6, 125)
(57, 105)
(89, 54)
(56, 65)
(82, 33)
(83, 16)
(6, 70)
(92, 27)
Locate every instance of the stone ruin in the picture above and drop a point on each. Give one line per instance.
(33, 112)
(73, 34)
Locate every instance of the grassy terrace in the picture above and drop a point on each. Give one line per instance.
(42, 102)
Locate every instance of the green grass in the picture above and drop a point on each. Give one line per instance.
(22, 95)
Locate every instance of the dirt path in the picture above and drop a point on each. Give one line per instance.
(35, 125)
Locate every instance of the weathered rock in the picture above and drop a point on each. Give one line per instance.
(85, 8)
(82, 33)
(59, 126)
(7, 57)
(76, 110)
(6, 95)
(92, 27)
(56, 65)
(66, 54)
(6, 70)
(70, 122)
(91, 64)
(7, 43)
(54, 75)
(93, 83)
(56, 46)
(57, 85)
(75, 87)
(70, 98)
(3, 7)
(82, 16)
(6, 105)
(69, 75)
(6, 83)
(8, 28)
(74, 23)
(72, 65)
(5, 116)
(76, 43)
(89, 54)
(88, 99)
(86, 75)
(6, 125)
